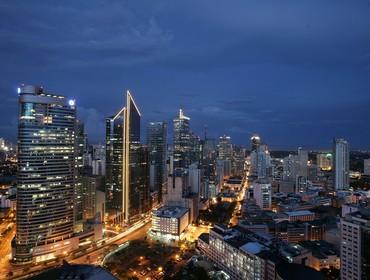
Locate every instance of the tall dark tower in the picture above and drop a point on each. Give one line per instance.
(127, 165)
(157, 146)
(114, 162)
(136, 165)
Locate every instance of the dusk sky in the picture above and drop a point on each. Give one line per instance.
(295, 72)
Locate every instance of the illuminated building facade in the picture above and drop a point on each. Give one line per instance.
(225, 148)
(324, 161)
(46, 175)
(81, 149)
(255, 142)
(170, 220)
(127, 165)
(182, 139)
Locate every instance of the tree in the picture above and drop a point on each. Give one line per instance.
(331, 274)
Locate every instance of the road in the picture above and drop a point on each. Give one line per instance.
(241, 197)
(5, 251)
(92, 256)
(192, 233)
(96, 256)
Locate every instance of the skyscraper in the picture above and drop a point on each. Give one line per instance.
(262, 193)
(355, 244)
(225, 148)
(303, 160)
(255, 142)
(157, 146)
(182, 139)
(114, 162)
(367, 167)
(46, 176)
(260, 161)
(127, 165)
(81, 150)
(341, 164)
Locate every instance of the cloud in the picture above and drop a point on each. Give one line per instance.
(264, 66)
(94, 122)
(101, 35)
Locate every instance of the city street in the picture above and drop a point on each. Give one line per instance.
(5, 249)
(92, 256)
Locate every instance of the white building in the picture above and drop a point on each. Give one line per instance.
(260, 161)
(303, 160)
(262, 194)
(355, 244)
(98, 167)
(234, 254)
(290, 168)
(170, 221)
(367, 167)
(341, 164)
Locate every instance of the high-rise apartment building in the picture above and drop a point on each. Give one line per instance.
(367, 167)
(46, 175)
(341, 164)
(157, 146)
(262, 193)
(355, 245)
(302, 161)
(225, 148)
(260, 161)
(127, 165)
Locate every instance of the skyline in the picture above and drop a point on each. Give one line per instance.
(296, 75)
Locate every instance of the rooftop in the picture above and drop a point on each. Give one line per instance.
(320, 249)
(299, 213)
(75, 272)
(293, 271)
(363, 213)
(171, 212)
(252, 247)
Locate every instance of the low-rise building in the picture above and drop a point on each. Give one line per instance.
(302, 215)
(323, 256)
(245, 255)
(170, 221)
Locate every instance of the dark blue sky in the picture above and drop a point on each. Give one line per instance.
(297, 72)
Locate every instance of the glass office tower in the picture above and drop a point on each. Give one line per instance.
(157, 145)
(46, 174)
(114, 162)
(127, 165)
(181, 141)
